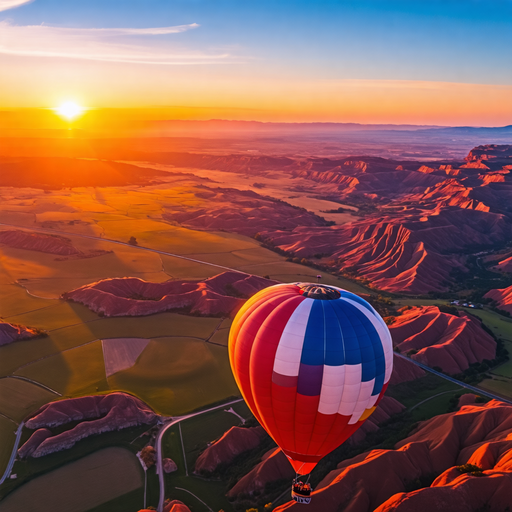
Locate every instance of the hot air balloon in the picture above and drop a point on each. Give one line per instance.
(312, 362)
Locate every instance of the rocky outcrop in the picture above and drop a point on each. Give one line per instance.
(243, 212)
(387, 407)
(274, 465)
(131, 296)
(466, 399)
(502, 297)
(401, 253)
(235, 441)
(377, 480)
(96, 414)
(441, 339)
(10, 333)
(40, 242)
(176, 506)
(33, 443)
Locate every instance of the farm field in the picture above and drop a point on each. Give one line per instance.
(178, 375)
(19, 397)
(110, 472)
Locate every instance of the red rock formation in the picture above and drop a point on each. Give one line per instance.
(466, 399)
(10, 333)
(387, 407)
(376, 481)
(234, 442)
(502, 296)
(176, 506)
(52, 244)
(97, 414)
(33, 443)
(243, 212)
(275, 466)
(404, 371)
(477, 164)
(451, 192)
(441, 339)
(131, 296)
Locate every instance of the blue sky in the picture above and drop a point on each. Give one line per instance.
(457, 41)
(449, 40)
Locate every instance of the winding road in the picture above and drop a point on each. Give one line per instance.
(8, 469)
(158, 445)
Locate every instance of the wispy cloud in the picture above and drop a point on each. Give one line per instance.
(101, 44)
(12, 4)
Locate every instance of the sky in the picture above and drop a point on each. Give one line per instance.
(444, 62)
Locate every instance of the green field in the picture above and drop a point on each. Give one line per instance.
(80, 485)
(499, 386)
(74, 372)
(18, 398)
(178, 375)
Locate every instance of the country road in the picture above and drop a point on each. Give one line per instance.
(158, 445)
(8, 469)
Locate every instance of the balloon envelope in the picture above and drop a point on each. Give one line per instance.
(312, 363)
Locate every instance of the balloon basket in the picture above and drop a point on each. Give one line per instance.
(301, 493)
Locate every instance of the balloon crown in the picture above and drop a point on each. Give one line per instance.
(319, 291)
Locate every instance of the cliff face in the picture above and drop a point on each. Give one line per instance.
(377, 480)
(131, 296)
(274, 465)
(441, 339)
(97, 414)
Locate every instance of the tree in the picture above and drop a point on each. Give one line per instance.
(133, 241)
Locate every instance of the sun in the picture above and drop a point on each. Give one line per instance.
(69, 110)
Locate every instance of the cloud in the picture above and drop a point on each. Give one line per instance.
(12, 4)
(101, 44)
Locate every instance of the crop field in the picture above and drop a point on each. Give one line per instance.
(80, 485)
(121, 353)
(18, 398)
(74, 372)
(500, 386)
(178, 375)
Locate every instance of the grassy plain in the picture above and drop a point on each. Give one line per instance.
(80, 485)
(73, 372)
(19, 397)
(177, 375)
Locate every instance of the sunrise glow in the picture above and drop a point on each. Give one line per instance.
(70, 110)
